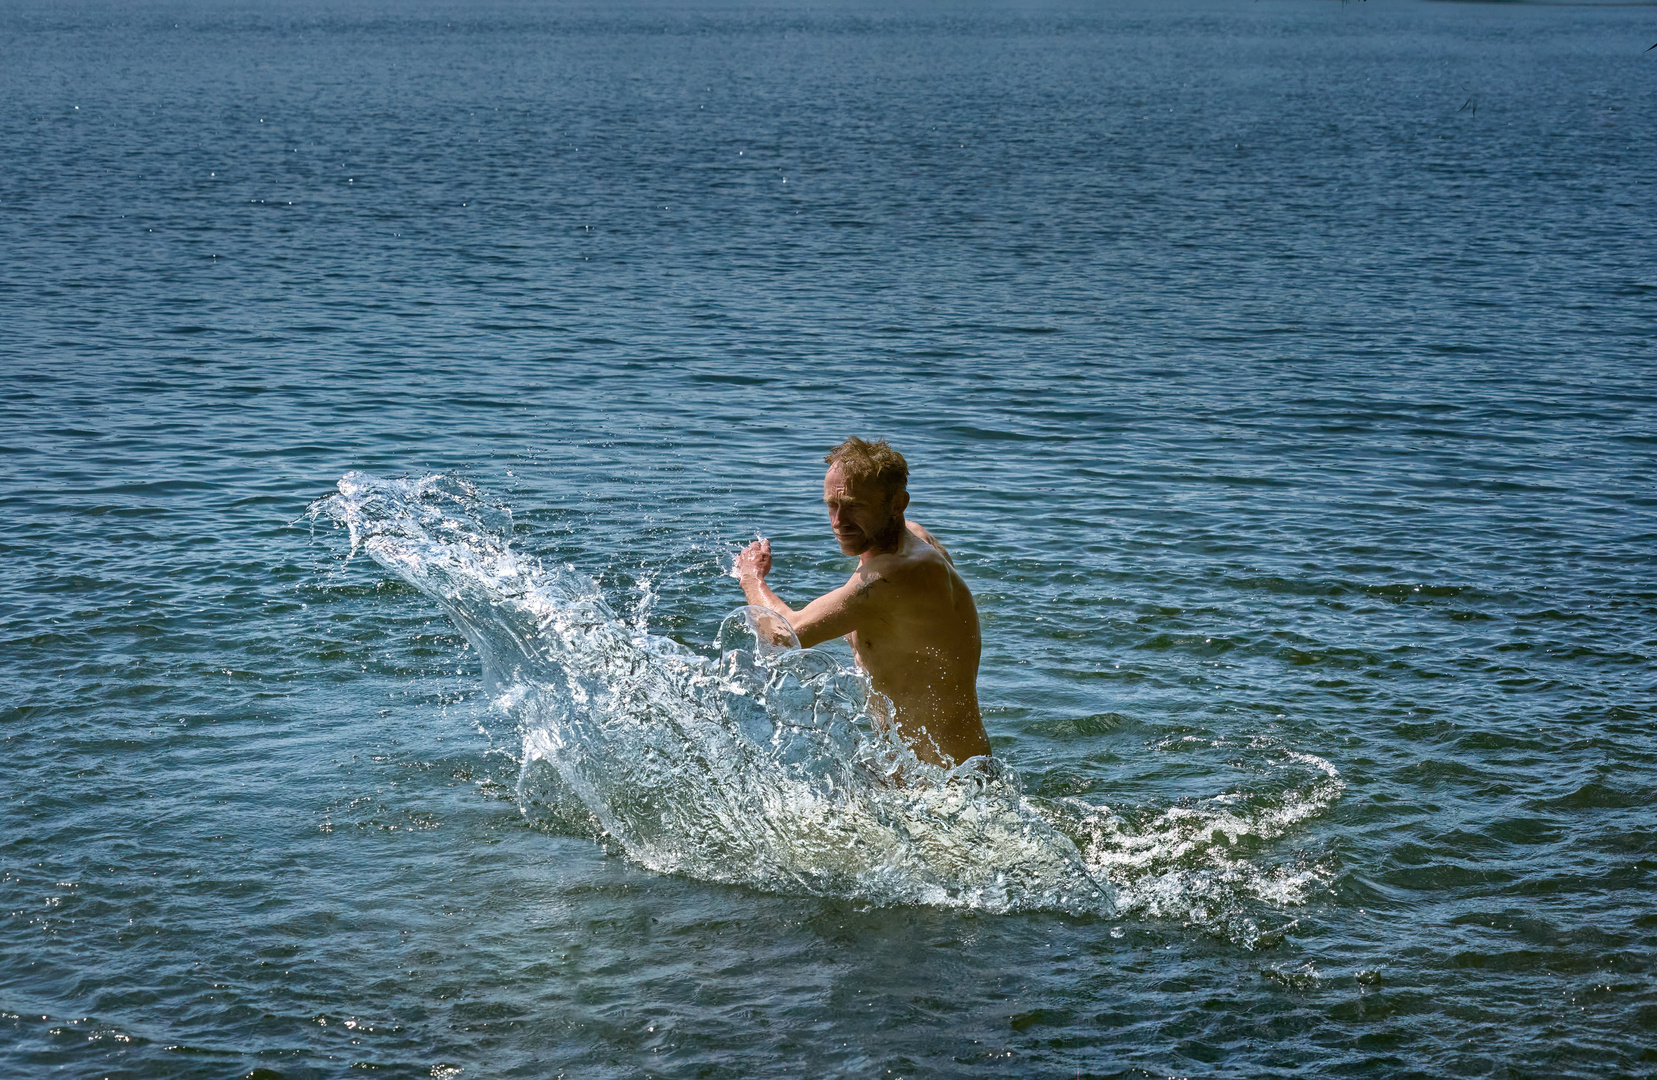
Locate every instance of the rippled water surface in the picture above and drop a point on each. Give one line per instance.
(387, 387)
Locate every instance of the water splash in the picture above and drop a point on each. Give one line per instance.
(1200, 861)
(757, 766)
(760, 765)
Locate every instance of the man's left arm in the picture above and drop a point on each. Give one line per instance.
(834, 614)
(750, 568)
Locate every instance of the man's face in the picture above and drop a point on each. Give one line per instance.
(861, 514)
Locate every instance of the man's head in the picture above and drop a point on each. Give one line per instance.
(866, 493)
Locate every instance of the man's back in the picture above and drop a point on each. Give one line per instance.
(918, 639)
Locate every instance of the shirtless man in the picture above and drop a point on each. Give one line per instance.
(911, 620)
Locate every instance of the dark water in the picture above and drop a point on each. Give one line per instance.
(1280, 375)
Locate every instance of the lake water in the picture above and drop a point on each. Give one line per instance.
(1281, 376)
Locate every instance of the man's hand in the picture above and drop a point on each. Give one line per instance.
(753, 562)
(750, 569)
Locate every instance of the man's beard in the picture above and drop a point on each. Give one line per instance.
(890, 538)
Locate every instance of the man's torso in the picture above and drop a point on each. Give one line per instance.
(920, 645)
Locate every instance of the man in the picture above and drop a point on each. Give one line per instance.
(910, 617)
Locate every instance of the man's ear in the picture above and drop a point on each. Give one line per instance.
(900, 502)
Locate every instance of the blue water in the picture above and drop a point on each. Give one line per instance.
(1279, 374)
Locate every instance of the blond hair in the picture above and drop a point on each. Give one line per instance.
(871, 462)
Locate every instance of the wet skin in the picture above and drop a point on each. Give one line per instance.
(910, 618)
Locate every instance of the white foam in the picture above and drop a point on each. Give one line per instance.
(760, 766)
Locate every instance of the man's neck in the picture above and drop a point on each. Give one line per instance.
(889, 542)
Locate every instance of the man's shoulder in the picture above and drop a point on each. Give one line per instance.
(915, 563)
(920, 533)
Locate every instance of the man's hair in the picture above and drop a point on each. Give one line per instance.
(875, 462)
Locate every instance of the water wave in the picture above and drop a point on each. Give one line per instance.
(761, 766)
(1200, 861)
